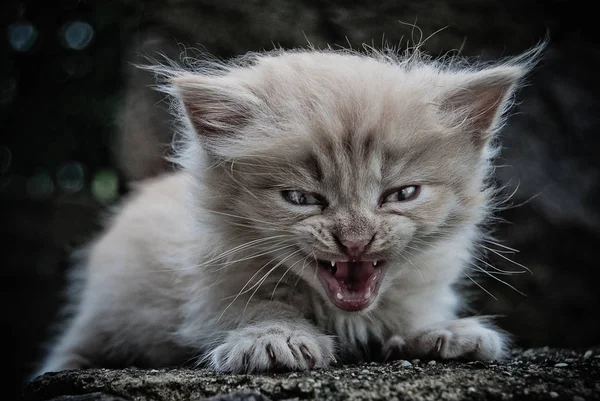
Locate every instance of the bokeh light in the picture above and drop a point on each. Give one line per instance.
(22, 35)
(76, 35)
(70, 177)
(105, 186)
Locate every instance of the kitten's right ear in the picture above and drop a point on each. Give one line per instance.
(215, 106)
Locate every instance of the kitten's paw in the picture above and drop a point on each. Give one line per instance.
(456, 339)
(272, 347)
(394, 348)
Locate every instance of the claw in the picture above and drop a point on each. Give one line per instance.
(309, 359)
(292, 349)
(271, 354)
(438, 344)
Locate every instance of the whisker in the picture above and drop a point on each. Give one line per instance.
(241, 247)
(479, 285)
(253, 256)
(500, 280)
(282, 276)
(502, 246)
(303, 267)
(508, 272)
(242, 290)
(508, 259)
(256, 227)
(316, 263)
(264, 278)
(245, 218)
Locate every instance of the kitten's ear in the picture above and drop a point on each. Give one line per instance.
(215, 106)
(476, 101)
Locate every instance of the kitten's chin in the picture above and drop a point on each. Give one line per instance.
(351, 285)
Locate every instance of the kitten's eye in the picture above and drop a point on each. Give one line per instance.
(403, 194)
(302, 198)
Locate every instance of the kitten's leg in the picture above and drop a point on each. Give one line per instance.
(467, 338)
(69, 351)
(277, 344)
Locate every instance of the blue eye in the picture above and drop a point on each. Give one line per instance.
(403, 194)
(302, 198)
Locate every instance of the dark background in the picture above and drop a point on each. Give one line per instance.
(78, 123)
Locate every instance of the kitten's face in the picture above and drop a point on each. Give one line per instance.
(354, 208)
(344, 169)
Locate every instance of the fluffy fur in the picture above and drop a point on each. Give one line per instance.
(212, 264)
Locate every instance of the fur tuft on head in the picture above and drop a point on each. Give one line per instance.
(215, 99)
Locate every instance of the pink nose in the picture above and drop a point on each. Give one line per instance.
(354, 249)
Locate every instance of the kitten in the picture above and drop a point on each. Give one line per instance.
(328, 202)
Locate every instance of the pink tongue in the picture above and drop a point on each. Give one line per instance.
(354, 278)
(354, 285)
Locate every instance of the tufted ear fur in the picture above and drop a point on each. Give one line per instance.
(215, 106)
(476, 101)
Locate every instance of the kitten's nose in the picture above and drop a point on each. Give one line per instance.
(354, 248)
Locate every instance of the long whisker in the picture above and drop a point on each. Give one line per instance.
(245, 218)
(303, 267)
(316, 264)
(502, 246)
(258, 247)
(264, 278)
(244, 287)
(241, 247)
(499, 280)
(508, 259)
(253, 256)
(500, 271)
(495, 273)
(283, 275)
(275, 229)
(479, 285)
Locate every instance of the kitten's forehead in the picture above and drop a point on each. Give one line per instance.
(348, 102)
(350, 162)
(343, 92)
(352, 122)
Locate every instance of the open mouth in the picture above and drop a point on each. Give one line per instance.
(351, 285)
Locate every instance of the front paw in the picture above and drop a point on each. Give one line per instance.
(455, 339)
(272, 347)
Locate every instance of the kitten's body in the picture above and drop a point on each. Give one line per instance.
(218, 263)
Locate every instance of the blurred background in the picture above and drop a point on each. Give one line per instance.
(79, 123)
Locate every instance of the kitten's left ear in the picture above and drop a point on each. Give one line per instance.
(476, 101)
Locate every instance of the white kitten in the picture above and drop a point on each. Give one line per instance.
(327, 203)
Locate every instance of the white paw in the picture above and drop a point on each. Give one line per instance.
(393, 348)
(272, 347)
(455, 339)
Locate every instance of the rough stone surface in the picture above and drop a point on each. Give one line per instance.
(528, 375)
